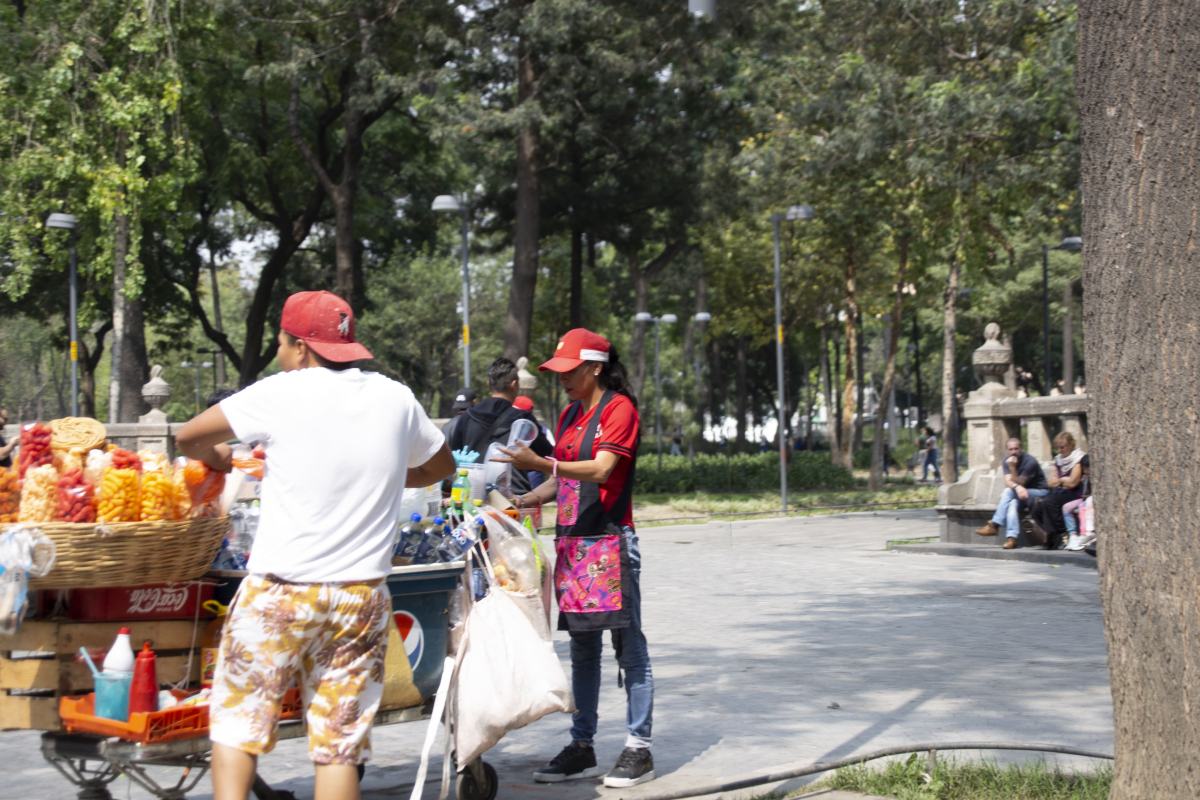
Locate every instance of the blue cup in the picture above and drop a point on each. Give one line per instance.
(112, 695)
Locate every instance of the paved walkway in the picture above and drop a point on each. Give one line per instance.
(788, 642)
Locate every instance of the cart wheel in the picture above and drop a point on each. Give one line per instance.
(468, 789)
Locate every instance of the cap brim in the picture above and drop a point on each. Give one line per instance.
(460, 406)
(339, 352)
(560, 364)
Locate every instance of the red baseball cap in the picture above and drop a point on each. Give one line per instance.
(326, 324)
(575, 347)
(524, 403)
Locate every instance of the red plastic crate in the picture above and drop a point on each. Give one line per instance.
(132, 603)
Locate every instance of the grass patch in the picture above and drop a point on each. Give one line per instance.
(695, 503)
(911, 780)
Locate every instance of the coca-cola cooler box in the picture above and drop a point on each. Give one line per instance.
(128, 603)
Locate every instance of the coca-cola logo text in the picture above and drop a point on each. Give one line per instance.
(158, 599)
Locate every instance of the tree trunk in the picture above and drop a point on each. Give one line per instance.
(1141, 275)
(860, 417)
(119, 304)
(875, 482)
(848, 390)
(949, 298)
(576, 278)
(716, 382)
(1068, 340)
(518, 324)
(637, 343)
(916, 342)
(742, 389)
(832, 420)
(222, 376)
(135, 367)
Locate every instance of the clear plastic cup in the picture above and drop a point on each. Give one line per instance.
(112, 695)
(523, 431)
(477, 475)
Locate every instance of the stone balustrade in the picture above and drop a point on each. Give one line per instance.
(991, 416)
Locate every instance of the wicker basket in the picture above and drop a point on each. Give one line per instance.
(129, 553)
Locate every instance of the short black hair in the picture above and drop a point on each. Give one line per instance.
(501, 373)
(336, 366)
(219, 394)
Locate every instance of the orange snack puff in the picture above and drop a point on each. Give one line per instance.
(39, 495)
(10, 495)
(157, 497)
(117, 497)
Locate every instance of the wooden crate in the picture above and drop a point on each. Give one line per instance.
(37, 664)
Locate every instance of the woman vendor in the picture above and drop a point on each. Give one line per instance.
(597, 573)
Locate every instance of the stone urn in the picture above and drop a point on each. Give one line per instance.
(992, 360)
(156, 393)
(526, 381)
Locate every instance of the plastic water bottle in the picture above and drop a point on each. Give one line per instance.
(460, 540)
(408, 540)
(243, 542)
(460, 493)
(427, 553)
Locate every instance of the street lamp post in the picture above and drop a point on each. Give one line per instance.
(1071, 244)
(645, 316)
(213, 352)
(450, 203)
(701, 318)
(68, 222)
(793, 213)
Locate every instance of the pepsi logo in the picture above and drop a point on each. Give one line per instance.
(413, 636)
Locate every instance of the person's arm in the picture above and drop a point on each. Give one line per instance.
(545, 492)
(596, 470)
(435, 470)
(1074, 478)
(203, 438)
(6, 451)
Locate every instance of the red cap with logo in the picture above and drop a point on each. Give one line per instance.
(575, 347)
(524, 403)
(326, 324)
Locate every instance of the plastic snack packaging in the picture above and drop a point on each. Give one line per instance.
(35, 447)
(75, 496)
(117, 497)
(24, 554)
(157, 496)
(94, 465)
(10, 495)
(125, 459)
(204, 486)
(39, 495)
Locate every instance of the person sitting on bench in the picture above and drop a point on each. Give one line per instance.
(1024, 480)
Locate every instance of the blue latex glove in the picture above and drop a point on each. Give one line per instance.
(464, 455)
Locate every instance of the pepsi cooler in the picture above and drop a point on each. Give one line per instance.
(421, 608)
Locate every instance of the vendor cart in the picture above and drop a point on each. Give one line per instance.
(416, 656)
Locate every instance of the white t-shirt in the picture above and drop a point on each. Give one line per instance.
(339, 446)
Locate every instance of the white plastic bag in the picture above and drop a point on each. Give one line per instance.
(508, 675)
(518, 567)
(24, 553)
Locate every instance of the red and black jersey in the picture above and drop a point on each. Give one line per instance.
(617, 433)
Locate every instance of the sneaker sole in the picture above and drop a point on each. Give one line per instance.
(590, 772)
(625, 783)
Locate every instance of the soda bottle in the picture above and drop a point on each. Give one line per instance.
(460, 540)
(460, 493)
(427, 553)
(408, 541)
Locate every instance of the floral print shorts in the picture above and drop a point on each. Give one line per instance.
(330, 638)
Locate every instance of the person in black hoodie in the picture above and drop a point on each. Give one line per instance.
(491, 420)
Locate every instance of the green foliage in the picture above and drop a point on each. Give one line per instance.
(739, 473)
(910, 780)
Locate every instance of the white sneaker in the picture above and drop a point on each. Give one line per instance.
(1086, 539)
(1073, 543)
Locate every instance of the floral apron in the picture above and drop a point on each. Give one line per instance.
(591, 573)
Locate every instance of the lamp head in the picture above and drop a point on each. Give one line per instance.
(702, 8)
(65, 221)
(801, 212)
(668, 318)
(447, 202)
(186, 364)
(1072, 243)
(702, 316)
(643, 316)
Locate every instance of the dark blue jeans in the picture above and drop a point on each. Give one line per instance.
(587, 651)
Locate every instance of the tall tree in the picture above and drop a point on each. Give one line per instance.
(1141, 185)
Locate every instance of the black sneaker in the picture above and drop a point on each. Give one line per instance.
(634, 766)
(574, 762)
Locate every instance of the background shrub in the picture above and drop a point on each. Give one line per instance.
(743, 472)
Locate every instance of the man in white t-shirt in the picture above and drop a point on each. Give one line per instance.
(341, 446)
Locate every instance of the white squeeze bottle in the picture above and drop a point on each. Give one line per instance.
(120, 655)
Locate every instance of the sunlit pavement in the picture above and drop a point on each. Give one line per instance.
(757, 629)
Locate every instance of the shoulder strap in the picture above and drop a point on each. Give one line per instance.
(480, 444)
(567, 419)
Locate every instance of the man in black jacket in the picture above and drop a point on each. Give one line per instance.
(491, 420)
